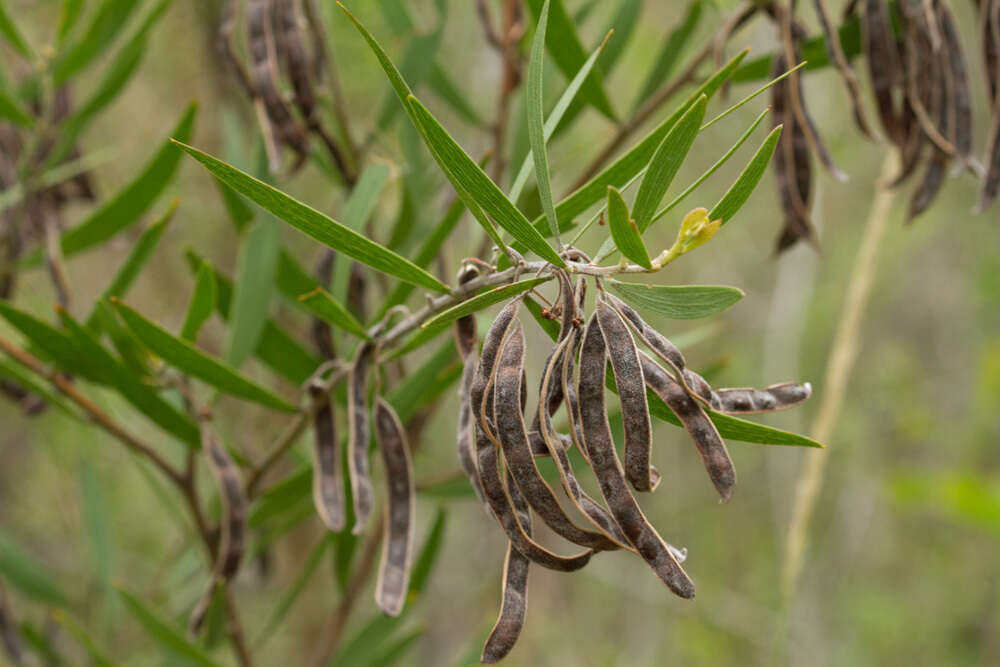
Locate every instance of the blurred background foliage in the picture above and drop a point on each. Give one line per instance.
(902, 567)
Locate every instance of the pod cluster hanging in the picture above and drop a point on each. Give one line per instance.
(498, 439)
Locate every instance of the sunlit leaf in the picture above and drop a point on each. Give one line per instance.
(678, 302)
(624, 230)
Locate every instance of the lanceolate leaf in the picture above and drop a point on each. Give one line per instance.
(357, 210)
(740, 191)
(108, 21)
(567, 51)
(678, 302)
(164, 633)
(665, 163)
(185, 357)
(128, 205)
(313, 223)
(14, 372)
(54, 344)
(624, 230)
(472, 179)
(71, 10)
(324, 306)
(202, 303)
(536, 118)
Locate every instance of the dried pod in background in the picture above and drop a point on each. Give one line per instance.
(359, 433)
(397, 543)
(328, 483)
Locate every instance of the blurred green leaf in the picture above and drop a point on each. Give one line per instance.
(108, 21)
(415, 65)
(536, 118)
(423, 385)
(202, 303)
(624, 231)
(450, 488)
(254, 280)
(281, 497)
(165, 634)
(54, 344)
(549, 325)
(673, 48)
(239, 211)
(969, 497)
(14, 372)
(328, 309)
(397, 650)
(69, 13)
(359, 207)
(13, 36)
(131, 388)
(566, 50)
(294, 590)
(26, 575)
(96, 523)
(188, 359)
(129, 204)
(678, 302)
(623, 27)
(315, 224)
(740, 191)
(441, 83)
(69, 622)
(12, 111)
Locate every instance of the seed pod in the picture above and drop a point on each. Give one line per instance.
(608, 470)
(359, 434)
(291, 50)
(554, 397)
(700, 428)
(747, 400)
(466, 330)
(322, 332)
(513, 439)
(466, 339)
(487, 361)
(587, 506)
(232, 525)
(514, 604)
(792, 168)
(328, 485)
(961, 104)
(625, 364)
(397, 545)
(883, 66)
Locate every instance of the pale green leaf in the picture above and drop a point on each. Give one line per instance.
(678, 302)
(108, 21)
(328, 309)
(202, 303)
(11, 110)
(624, 230)
(253, 283)
(740, 191)
(536, 118)
(10, 32)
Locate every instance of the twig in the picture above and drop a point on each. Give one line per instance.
(69, 390)
(234, 629)
(843, 353)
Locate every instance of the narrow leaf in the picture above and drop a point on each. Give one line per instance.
(13, 36)
(53, 344)
(202, 303)
(107, 22)
(678, 302)
(328, 309)
(359, 207)
(97, 523)
(253, 283)
(741, 190)
(26, 575)
(185, 357)
(12, 111)
(240, 213)
(97, 655)
(164, 633)
(313, 223)
(624, 230)
(536, 119)
(14, 372)
(441, 83)
(71, 10)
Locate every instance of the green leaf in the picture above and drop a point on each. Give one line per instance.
(666, 162)
(54, 344)
(328, 309)
(624, 231)
(239, 211)
(29, 382)
(678, 302)
(202, 303)
(282, 497)
(131, 388)
(313, 223)
(140, 253)
(255, 271)
(359, 207)
(556, 116)
(673, 48)
(549, 325)
(536, 118)
(423, 386)
(276, 349)
(291, 595)
(12, 111)
(97, 655)
(13, 36)
(416, 64)
(188, 359)
(108, 21)
(622, 26)
(744, 186)
(126, 207)
(441, 83)
(71, 10)
(629, 164)
(164, 633)
(26, 575)
(468, 177)
(97, 523)
(397, 650)
(566, 50)
(428, 556)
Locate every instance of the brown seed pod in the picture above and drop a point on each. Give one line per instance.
(883, 66)
(553, 398)
(291, 51)
(232, 525)
(955, 71)
(513, 439)
(608, 470)
(627, 369)
(466, 427)
(792, 168)
(747, 400)
(696, 422)
(359, 434)
(514, 604)
(397, 545)
(328, 484)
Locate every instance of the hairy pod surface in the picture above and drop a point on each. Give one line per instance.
(359, 434)
(328, 483)
(397, 544)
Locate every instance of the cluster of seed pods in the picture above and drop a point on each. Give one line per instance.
(497, 447)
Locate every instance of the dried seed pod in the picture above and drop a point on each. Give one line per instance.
(466, 329)
(514, 604)
(291, 51)
(608, 470)
(232, 525)
(328, 485)
(836, 56)
(627, 369)
(397, 545)
(513, 439)
(883, 66)
(792, 168)
(554, 397)
(696, 422)
(488, 357)
(959, 97)
(466, 339)
(747, 400)
(587, 506)
(359, 434)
